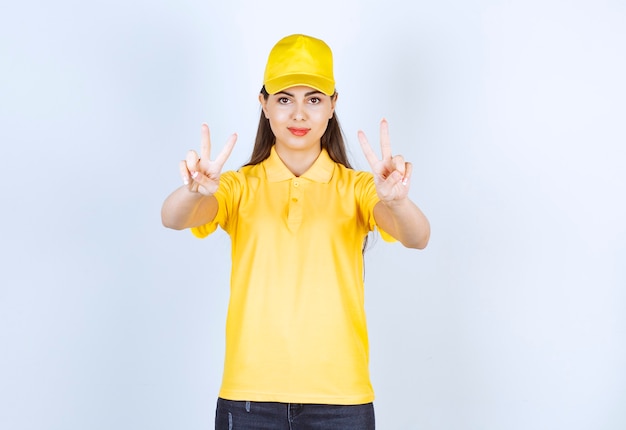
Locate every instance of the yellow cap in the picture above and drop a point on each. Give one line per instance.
(300, 60)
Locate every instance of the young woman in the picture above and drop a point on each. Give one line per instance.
(298, 216)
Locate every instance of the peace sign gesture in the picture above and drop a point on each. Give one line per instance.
(200, 173)
(391, 173)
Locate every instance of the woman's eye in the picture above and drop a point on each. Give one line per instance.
(283, 100)
(315, 100)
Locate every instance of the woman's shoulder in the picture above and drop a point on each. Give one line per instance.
(353, 174)
(242, 178)
(243, 172)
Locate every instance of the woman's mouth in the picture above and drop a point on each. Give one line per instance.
(298, 131)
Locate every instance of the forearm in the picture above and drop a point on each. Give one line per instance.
(404, 221)
(184, 209)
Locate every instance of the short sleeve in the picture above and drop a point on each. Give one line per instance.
(227, 196)
(368, 198)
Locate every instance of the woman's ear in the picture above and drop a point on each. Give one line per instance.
(333, 103)
(263, 102)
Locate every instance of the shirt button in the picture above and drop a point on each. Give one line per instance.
(295, 184)
(295, 200)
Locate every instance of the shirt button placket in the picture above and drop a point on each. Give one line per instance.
(295, 205)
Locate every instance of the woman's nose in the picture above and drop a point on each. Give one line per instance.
(299, 113)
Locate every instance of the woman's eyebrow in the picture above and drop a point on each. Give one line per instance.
(285, 93)
(310, 93)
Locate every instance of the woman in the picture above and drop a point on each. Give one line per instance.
(298, 216)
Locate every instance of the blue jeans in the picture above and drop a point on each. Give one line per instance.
(242, 415)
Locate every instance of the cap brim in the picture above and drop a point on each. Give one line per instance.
(319, 83)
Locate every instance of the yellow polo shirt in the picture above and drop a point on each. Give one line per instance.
(296, 329)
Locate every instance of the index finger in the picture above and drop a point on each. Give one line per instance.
(372, 159)
(205, 145)
(220, 160)
(385, 144)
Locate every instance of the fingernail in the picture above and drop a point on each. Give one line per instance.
(405, 181)
(194, 175)
(186, 181)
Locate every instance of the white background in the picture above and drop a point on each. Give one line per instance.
(512, 111)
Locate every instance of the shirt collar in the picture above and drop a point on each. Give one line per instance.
(321, 170)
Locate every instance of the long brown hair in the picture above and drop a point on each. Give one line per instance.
(332, 140)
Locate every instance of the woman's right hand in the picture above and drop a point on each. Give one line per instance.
(201, 174)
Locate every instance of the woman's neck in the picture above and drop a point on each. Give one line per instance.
(298, 161)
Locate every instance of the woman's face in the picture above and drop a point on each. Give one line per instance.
(298, 117)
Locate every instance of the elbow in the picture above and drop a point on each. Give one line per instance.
(418, 242)
(169, 222)
(172, 226)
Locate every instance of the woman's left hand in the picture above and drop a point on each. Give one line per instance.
(392, 174)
